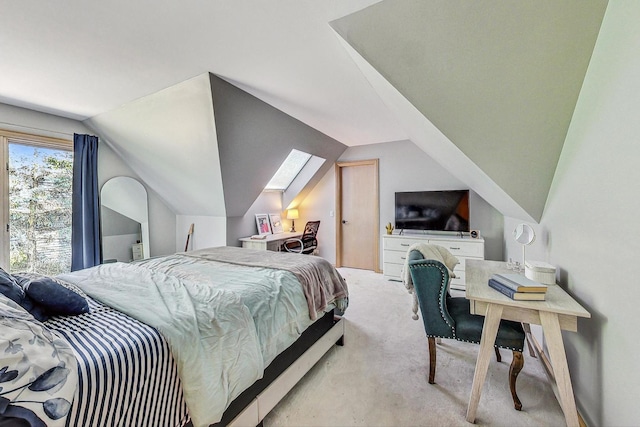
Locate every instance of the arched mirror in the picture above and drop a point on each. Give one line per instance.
(125, 220)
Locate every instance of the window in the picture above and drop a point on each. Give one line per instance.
(36, 207)
(288, 170)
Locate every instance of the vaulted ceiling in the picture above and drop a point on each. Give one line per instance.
(80, 59)
(486, 87)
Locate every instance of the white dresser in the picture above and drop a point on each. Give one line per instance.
(136, 250)
(394, 252)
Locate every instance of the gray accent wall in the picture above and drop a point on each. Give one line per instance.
(114, 223)
(254, 139)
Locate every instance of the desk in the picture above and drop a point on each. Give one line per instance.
(272, 242)
(558, 311)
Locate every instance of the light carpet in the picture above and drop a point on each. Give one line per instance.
(380, 376)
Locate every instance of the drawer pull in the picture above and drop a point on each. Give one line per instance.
(455, 249)
(404, 244)
(403, 257)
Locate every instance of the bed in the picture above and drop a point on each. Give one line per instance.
(215, 336)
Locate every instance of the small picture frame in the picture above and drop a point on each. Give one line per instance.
(276, 223)
(262, 221)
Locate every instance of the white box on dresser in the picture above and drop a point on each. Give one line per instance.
(395, 246)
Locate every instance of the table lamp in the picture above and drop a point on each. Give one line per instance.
(292, 214)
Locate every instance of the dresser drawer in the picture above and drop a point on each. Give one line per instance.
(392, 270)
(401, 244)
(395, 257)
(395, 252)
(463, 249)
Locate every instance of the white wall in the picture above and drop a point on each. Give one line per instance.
(590, 228)
(208, 231)
(402, 167)
(268, 202)
(28, 121)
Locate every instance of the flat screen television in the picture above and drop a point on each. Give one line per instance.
(433, 210)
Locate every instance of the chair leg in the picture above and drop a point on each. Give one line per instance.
(516, 366)
(498, 356)
(432, 360)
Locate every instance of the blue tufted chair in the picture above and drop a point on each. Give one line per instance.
(447, 317)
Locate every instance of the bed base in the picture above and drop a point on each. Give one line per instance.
(253, 405)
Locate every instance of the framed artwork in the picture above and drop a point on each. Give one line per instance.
(276, 223)
(262, 221)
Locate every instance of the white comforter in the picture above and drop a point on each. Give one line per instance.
(225, 323)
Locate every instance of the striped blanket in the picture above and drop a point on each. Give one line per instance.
(127, 375)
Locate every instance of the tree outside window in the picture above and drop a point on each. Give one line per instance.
(40, 186)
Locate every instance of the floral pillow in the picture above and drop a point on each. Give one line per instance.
(38, 370)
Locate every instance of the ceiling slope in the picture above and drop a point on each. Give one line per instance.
(495, 82)
(207, 147)
(254, 139)
(169, 139)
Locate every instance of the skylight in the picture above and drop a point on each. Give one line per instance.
(288, 170)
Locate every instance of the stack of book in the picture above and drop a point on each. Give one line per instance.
(518, 287)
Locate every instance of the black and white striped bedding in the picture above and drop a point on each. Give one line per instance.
(127, 375)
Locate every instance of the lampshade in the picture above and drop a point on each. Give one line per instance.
(292, 214)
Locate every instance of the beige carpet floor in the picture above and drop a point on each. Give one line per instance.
(379, 377)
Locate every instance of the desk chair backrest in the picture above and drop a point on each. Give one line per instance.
(311, 229)
(307, 243)
(430, 279)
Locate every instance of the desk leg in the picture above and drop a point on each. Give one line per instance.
(489, 332)
(553, 337)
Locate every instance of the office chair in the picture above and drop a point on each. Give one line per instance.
(447, 317)
(307, 243)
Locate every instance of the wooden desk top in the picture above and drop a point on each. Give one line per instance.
(478, 272)
(273, 237)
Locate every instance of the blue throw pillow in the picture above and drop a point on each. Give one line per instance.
(28, 304)
(55, 298)
(9, 287)
(13, 287)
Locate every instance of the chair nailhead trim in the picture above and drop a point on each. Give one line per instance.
(441, 304)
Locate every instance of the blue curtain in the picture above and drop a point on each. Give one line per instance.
(85, 223)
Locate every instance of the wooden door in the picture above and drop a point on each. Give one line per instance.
(357, 207)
